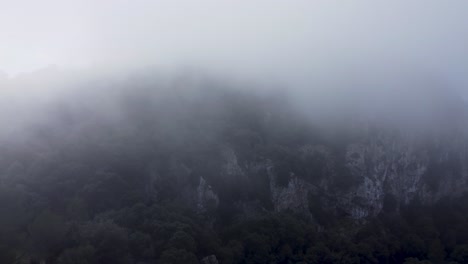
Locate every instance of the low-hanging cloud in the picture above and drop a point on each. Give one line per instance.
(384, 58)
(290, 40)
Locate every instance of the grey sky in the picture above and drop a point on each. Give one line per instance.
(332, 56)
(291, 38)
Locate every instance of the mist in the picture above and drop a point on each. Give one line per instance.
(318, 52)
(233, 132)
(290, 40)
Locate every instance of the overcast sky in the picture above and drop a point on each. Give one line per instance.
(259, 36)
(328, 53)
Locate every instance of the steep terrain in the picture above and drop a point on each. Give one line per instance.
(171, 177)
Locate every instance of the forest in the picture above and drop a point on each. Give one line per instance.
(146, 183)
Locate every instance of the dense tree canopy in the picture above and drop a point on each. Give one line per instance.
(81, 189)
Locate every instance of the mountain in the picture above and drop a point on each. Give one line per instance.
(196, 172)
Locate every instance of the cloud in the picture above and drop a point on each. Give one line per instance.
(329, 55)
(293, 39)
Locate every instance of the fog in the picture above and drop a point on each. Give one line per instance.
(330, 57)
(290, 39)
(262, 131)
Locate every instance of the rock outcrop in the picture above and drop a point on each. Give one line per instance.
(209, 260)
(207, 198)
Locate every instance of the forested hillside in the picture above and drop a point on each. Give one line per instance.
(202, 173)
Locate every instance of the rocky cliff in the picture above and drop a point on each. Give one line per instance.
(378, 171)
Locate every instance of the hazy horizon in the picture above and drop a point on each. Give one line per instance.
(222, 131)
(291, 42)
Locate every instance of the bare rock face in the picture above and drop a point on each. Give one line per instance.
(384, 165)
(209, 260)
(401, 167)
(207, 198)
(293, 197)
(357, 179)
(231, 166)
